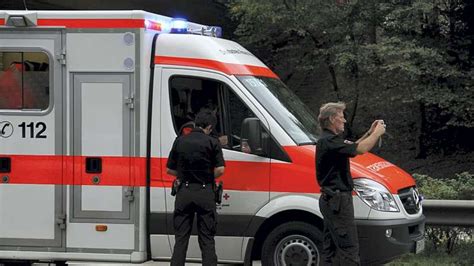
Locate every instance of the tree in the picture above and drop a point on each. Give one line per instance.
(423, 42)
(303, 32)
(412, 48)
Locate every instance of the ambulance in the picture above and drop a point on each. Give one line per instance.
(90, 104)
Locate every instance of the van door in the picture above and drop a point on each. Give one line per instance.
(31, 140)
(247, 175)
(101, 135)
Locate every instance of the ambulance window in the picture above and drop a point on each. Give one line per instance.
(189, 95)
(236, 112)
(24, 80)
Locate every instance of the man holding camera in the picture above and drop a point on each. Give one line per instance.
(196, 160)
(340, 240)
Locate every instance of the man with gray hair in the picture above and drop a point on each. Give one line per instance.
(340, 240)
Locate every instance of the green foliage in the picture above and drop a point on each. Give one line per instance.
(447, 238)
(461, 187)
(311, 29)
(417, 49)
(425, 43)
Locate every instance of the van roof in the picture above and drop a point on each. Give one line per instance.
(208, 52)
(92, 19)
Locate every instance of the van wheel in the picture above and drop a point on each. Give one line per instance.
(293, 243)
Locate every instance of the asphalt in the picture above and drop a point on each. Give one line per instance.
(148, 263)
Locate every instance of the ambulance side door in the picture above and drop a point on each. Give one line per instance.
(102, 199)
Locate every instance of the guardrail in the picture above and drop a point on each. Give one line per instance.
(449, 212)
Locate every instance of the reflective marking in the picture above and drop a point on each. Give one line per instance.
(379, 166)
(98, 23)
(228, 68)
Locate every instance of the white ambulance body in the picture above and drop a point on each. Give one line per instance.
(90, 104)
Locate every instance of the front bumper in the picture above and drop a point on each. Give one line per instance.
(377, 248)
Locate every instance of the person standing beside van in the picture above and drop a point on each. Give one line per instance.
(196, 159)
(340, 240)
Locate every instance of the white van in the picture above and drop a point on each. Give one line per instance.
(90, 104)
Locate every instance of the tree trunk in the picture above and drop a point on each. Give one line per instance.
(373, 22)
(422, 149)
(332, 72)
(356, 101)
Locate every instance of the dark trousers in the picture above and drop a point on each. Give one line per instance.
(340, 240)
(194, 199)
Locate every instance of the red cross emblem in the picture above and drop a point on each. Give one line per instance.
(226, 196)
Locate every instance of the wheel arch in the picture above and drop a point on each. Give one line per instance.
(282, 210)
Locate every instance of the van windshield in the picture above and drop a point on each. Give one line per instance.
(285, 107)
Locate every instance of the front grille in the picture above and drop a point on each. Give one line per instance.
(411, 199)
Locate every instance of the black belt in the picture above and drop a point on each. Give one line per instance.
(199, 183)
(186, 184)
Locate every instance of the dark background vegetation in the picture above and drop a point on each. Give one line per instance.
(409, 62)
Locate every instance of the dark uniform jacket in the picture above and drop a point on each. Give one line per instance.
(194, 157)
(332, 161)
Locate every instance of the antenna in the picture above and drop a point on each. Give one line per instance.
(24, 3)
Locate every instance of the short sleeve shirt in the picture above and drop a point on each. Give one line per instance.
(194, 157)
(332, 161)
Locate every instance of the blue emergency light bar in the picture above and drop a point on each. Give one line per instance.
(179, 25)
(182, 26)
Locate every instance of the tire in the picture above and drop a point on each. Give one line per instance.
(292, 243)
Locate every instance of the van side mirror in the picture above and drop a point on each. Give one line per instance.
(252, 133)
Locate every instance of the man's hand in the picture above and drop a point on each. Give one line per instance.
(370, 131)
(372, 127)
(223, 140)
(367, 143)
(171, 172)
(218, 171)
(379, 128)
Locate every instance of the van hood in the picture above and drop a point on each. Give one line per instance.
(378, 169)
(366, 165)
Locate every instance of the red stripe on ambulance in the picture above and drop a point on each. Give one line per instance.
(100, 23)
(228, 68)
(298, 176)
(121, 171)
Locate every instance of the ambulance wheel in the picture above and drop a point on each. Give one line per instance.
(293, 243)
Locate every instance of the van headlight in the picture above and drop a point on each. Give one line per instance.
(375, 195)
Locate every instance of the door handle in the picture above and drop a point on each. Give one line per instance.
(5, 165)
(93, 165)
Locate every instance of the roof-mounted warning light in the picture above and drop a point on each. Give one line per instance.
(179, 25)
(213, 31)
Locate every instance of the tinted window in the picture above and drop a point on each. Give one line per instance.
(24, 80)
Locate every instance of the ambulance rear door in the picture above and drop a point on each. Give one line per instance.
(31, 140)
